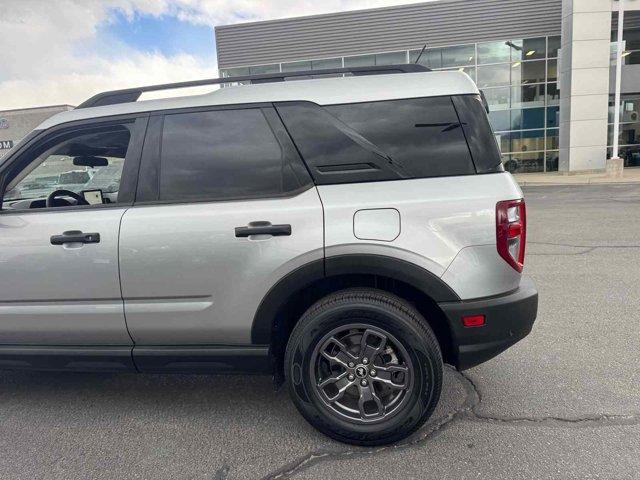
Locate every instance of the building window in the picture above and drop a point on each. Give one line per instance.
(631, 52)
(532, 49)
(261, 69)
(629, 136)
(553, 45)
(494, 75)
(235, 72)
(528, 72)
(494, 52)
(458, 56)
(326, 63)
(500, 120)
(552, 70)
(296, 66)
(525, 162)
(528, 96)
(527, 118)
(431, 57)
(498, 98)
(360, 61)
(553, 139)
(553, 117)
(391, 58)
(518, 77)
(553, 94)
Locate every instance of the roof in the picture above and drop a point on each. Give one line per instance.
(324, 91)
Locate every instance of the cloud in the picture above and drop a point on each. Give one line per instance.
(99, 74)
(52, 51)
(224, 12)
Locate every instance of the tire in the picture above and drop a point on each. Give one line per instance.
(353, 398)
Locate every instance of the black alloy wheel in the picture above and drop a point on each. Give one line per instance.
(364, 367)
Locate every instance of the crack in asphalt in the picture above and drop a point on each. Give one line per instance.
(431, 430)
(603, 419)
(467, 411)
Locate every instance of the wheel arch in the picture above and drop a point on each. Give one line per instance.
(293, 294)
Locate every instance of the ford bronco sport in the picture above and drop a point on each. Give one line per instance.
(347, 235)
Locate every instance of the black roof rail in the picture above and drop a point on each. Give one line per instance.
(132, 94)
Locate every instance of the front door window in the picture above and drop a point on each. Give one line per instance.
(78, 169)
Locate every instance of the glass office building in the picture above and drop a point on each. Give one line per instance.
(519, 75)
(519, 79)
(629, 138)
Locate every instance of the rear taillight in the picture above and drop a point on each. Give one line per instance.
(511, 231)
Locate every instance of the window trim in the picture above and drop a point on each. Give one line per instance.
(148, 189)
(128, 180)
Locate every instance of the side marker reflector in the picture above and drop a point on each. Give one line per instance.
(473, 321)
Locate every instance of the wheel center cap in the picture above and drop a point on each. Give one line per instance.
(361, 371)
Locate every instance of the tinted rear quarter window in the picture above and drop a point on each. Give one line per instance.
(482, 143)
(220, 154)
(423, 135)
(385, 140)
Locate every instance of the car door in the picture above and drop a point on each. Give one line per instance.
(225, 208)
(59, 279)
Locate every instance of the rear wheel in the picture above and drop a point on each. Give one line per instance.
(364, 367)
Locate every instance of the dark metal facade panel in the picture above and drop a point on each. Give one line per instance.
(439, 23)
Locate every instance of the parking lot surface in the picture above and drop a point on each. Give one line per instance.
(563, 403)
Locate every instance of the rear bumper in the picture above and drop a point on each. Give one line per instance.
(509, 318)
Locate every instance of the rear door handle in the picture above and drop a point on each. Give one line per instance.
(75, 236)
(263, 228)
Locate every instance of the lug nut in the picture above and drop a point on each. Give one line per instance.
(372, 372)
(365, 360)
(351, 377)
(363, 383)
(351, 364)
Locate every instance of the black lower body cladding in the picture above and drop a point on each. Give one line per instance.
(508, 319)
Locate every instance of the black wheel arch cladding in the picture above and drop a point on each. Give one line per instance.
(335, 267)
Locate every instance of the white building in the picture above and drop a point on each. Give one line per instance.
(16, 124)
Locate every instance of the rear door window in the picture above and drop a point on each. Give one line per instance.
(221, 154)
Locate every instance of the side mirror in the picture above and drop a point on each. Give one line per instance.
(90, 161)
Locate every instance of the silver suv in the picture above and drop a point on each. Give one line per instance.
(346, 234)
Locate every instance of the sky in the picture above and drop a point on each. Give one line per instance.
(64, 51)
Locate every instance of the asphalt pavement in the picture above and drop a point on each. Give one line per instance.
(563, 403)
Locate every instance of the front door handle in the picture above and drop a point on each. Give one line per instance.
(263, 228)
(75, 236)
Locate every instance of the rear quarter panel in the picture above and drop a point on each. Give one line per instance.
(441, 219)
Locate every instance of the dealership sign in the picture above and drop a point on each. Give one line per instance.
(6, 144)
(4, 123)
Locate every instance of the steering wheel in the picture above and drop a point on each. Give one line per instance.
(65, 193)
